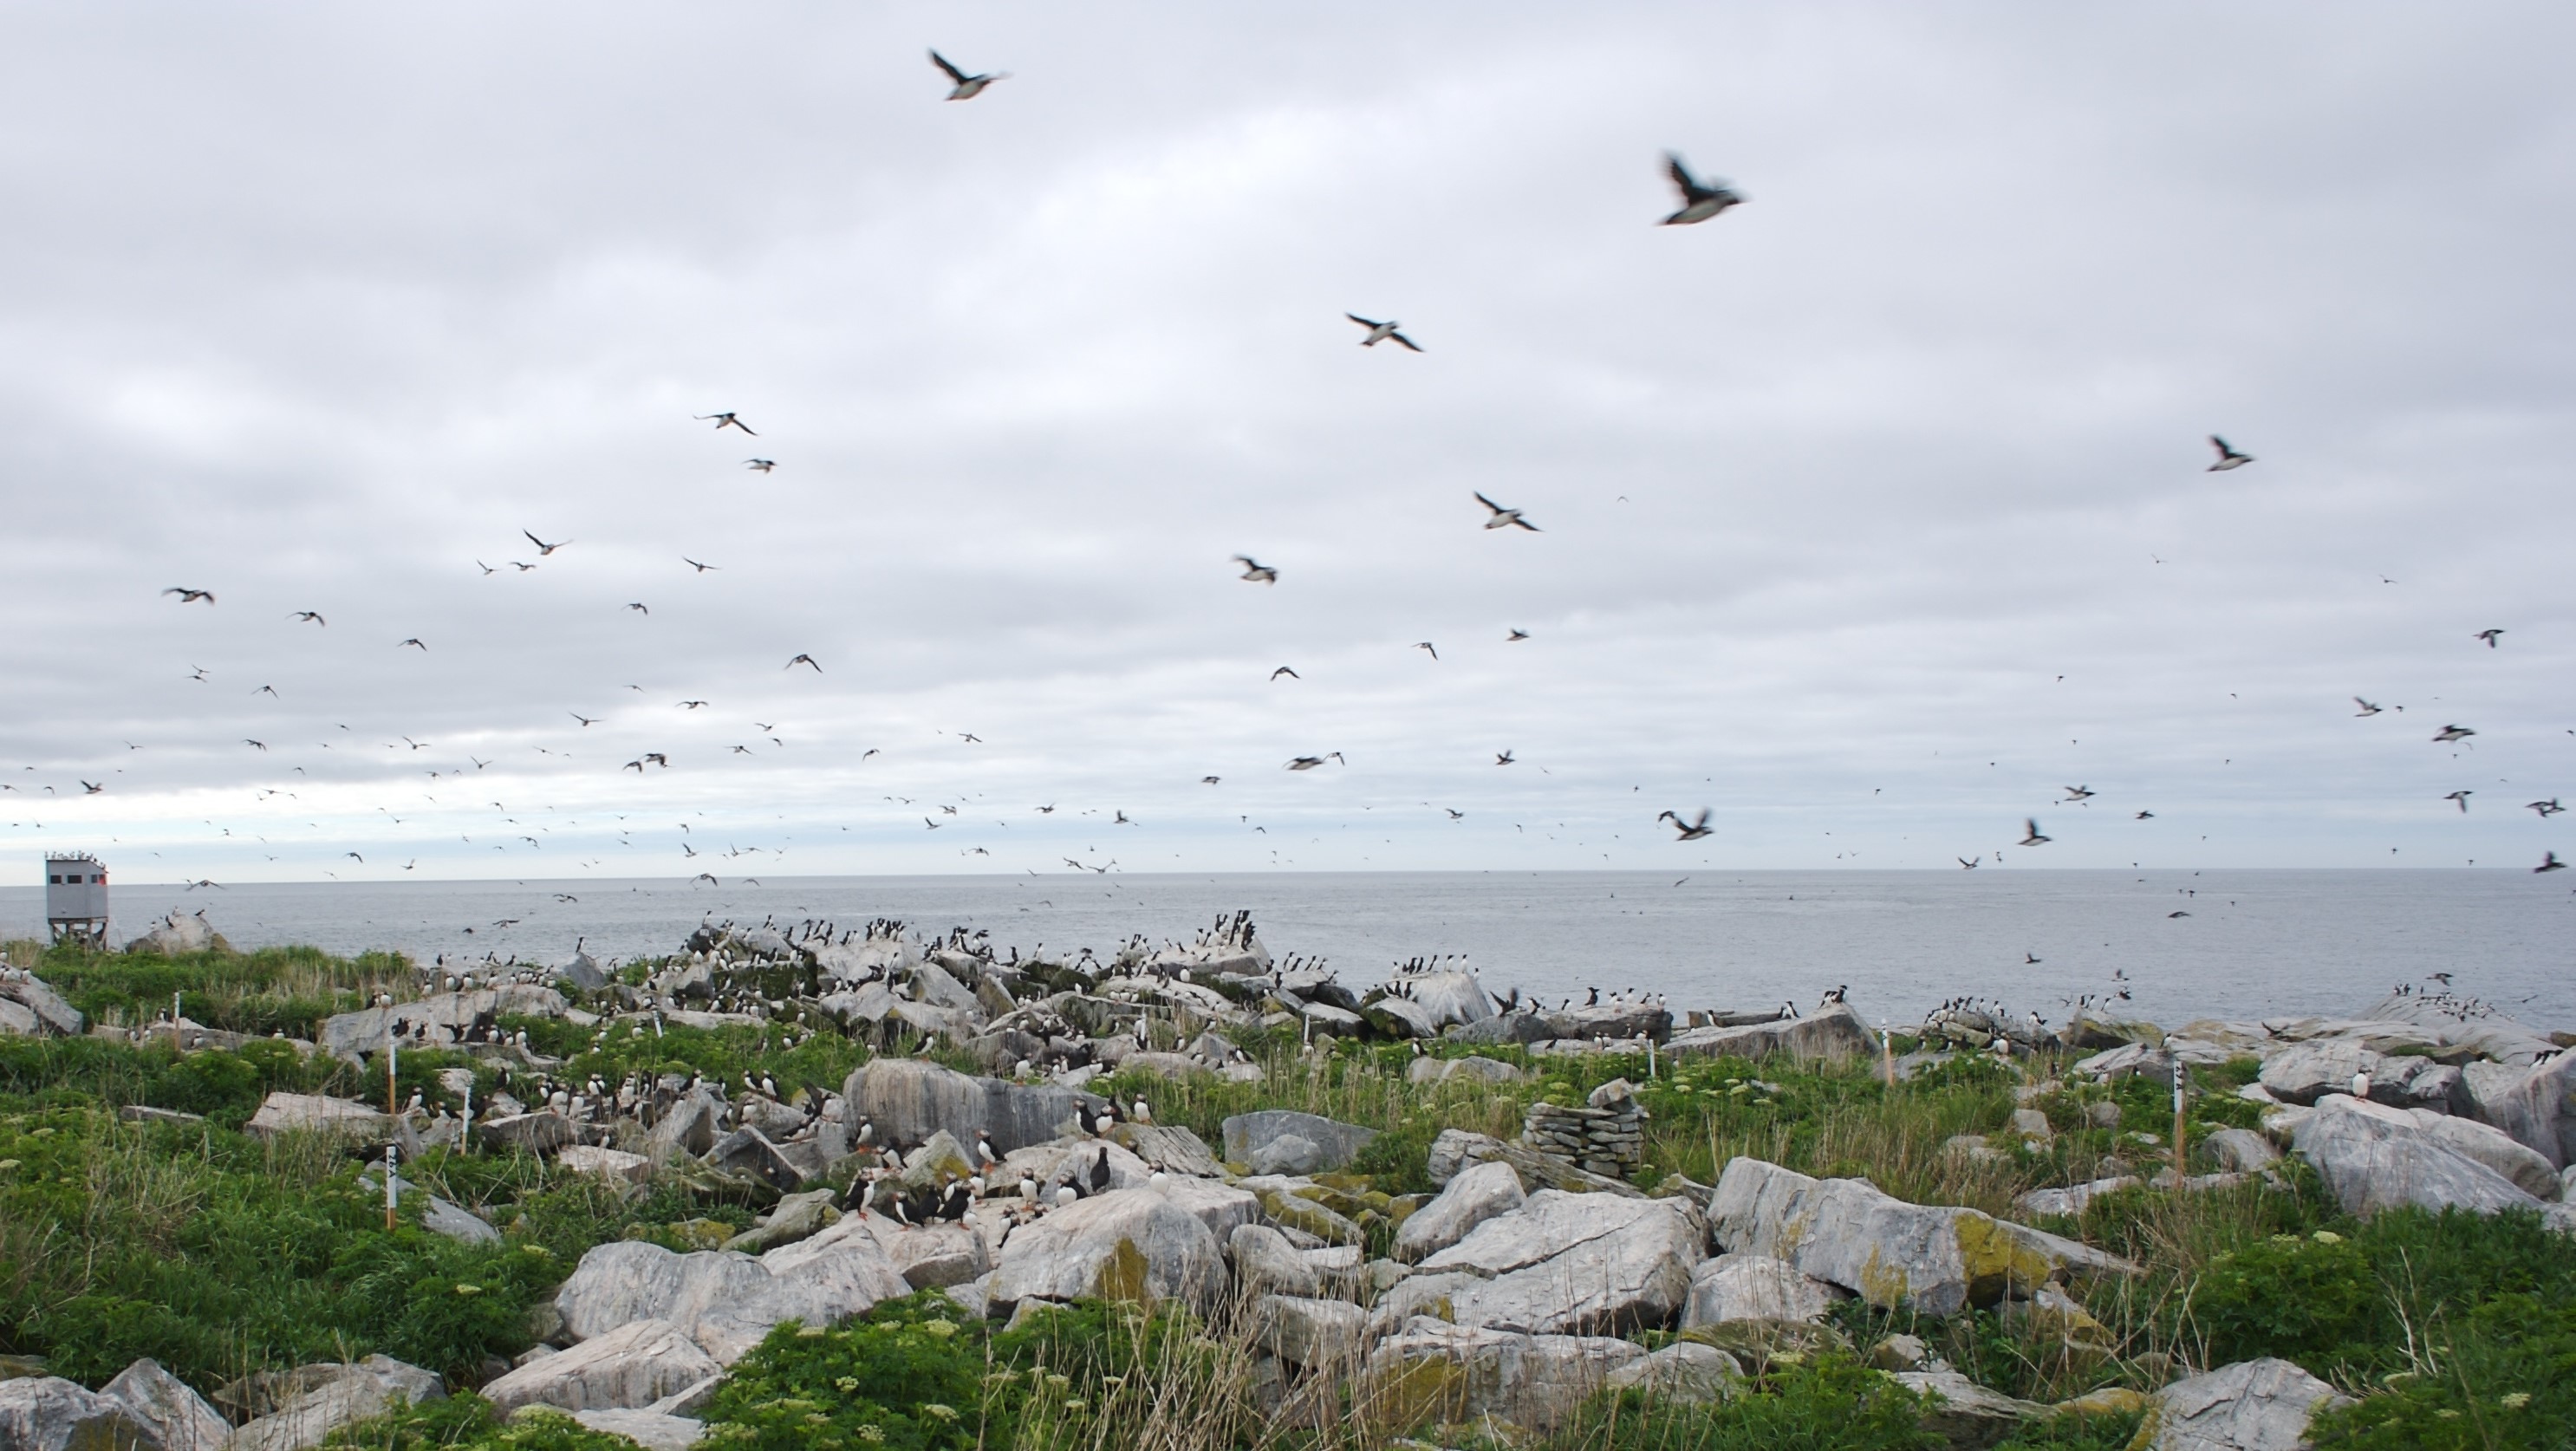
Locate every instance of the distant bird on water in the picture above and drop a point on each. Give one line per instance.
(2228, 458)
(1503, 516)
(1256, 571)
(1690, 830)
(2462, 798)
(724, 421)
(1700, 200)
(189, 596)
(2030, 833)
(1379, 332)
(2453, 733)
(966, 87)
(2490, 636)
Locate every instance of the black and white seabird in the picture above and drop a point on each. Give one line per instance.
(967, 87)
(1700, 200)
(2030, 833)
(1256, 571)
(1690, 830)
(1379, 332)
(2228, 458)
(1504, 517)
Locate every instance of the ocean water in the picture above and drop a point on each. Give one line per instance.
(2253, 943)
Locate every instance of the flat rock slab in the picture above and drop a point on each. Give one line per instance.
(1576, 1262)
(1335, 1144)
(2254, 1405)
(1435, 1371)
(1471, 1197)
(628, 1368)
(1848, 1232)
(909, 1099)
(350, 1035)
(1128, 1244)
(1754, 1287)
(353, 1393)
(310, 1113)
(1835, 1033)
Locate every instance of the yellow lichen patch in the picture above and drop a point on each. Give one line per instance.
(1426, 1390)
(1883, 1284)
(2108, 1401)
(1122, 1275)
(1994, 1262)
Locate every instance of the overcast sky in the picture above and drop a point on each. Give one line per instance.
(1872, 514)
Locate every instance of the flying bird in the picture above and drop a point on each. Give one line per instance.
(2144, 816)
(2549, 862)
(1379, 332)
(1308, 763)
(543, 548)
(2547, 809)
(1690, 830)
(1515, 635)
(724, 421)
(2030, 833)
(2461, 797)
(1503, 516)
(1284, 670)
(260, 745)
(413, 642)
(804, 660)
(1255, 571)
(1700, 200)
(760, 465)
(2366, 707)
(310, 616)
(189, 596)
(1427, 645)
(2228, 458)
(966, 88)
(700, 568)
(1203, 780)
(2078, 793)
(2453, 733)
(691, 704)
(91, 788)
(2490, 636)
(638, 607)
(1968, 864)
(586, 720)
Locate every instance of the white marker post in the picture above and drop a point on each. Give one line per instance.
(393, 1108)
(2178, 1128)
(174, 1018)
(392, 1155)
(1887, 1051)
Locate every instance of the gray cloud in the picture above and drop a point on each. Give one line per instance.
(317, 307)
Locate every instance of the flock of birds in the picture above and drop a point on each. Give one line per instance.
(1700, 200)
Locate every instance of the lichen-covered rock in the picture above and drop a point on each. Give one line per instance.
(2254, 1405)
(351, 1393)
(48, 1413)
(1265, 1263)
(1220, 1207)
(1968, 1414)
(817, 1283)
(1754, 1287)
(2374, 1157)
(909, 1099)
(1333, 1144)
(1128, 1244)
(1469, 1199)
(798, 1216)
(178, 1417)
(1576, 1262)
(1849, 1233)
(628, 1368)
(1435, 1371)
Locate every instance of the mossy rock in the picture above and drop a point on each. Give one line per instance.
(1758, 1343)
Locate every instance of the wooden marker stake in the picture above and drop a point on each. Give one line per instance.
(2179, 1160)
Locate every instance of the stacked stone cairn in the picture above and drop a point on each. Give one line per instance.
(1606, 1136)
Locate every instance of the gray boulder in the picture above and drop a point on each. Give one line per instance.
(2374, 1157)
(1170, 1148)
(614, 1165)
(542, 1132)
(798, 1216)
(2070, 1200)
(1309, 1333)
(2254, 1405)
(1335, 1144)
(1968, 1414)
(1128, 1244)
(1835, 1033)
(2540, 1110)
(1265, 1263)
(457, 1223)
(649, 1429)
(1473, 1070)
(749, 1152)
(1576, 1263)
(630, 1367)
(337, 1118)
(178, 1417)
(51, 1013)
(1849, 1233)
(344, 1395)
(1400, 1017)
(1686, 1374)
(687, 1128)
(445, 1016)
(1469, 1199)
(818, 1282)
(1754, 1287)
(1581, 1023)
(49, 1413)
(2240, 1150)
(1524, 1026)
(927, 1256)
(176, 934)
(19, 1019)
(2491, 1146)
(1220, 1207)
(909, 1099)
(1290, 1154)
(629, 1280)
(1448, 998)
(1434, 1371)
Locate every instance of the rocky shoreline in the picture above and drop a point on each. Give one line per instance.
(974, 1155)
